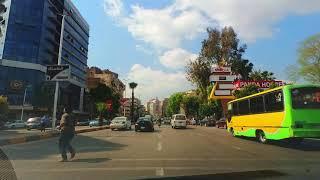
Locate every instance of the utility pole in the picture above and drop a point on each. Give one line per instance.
(56, 94)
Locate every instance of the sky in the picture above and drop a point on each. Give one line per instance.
(150, 41)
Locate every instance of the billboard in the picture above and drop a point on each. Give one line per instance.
(58, 72)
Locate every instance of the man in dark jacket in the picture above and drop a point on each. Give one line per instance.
(67, 133)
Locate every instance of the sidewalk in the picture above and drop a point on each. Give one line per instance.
(16, 136)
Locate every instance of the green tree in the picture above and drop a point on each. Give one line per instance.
(198, 72)
(103, 93)
(190, 105)
(246, 91)
(222, 47)
(174, 103)
(242, 67)
(101, 108)
(210, 108)
(3, 109)
(308, 65)
(259, 75)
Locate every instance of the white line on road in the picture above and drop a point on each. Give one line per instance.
(159, 146)
(236, 147)
(159, 172)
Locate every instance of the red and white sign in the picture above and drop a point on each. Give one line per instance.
(217, 69)
(261, 84)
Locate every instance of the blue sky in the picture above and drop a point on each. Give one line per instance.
(150, 41)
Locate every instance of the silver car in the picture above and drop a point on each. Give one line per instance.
(120, 123)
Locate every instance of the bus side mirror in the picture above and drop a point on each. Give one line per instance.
(229, 116)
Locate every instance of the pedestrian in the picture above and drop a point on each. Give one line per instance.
(43, 124)
(159, 123)
(67, 131)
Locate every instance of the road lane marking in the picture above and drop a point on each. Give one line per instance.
(236, 147)
(159, 172)
(159, 146)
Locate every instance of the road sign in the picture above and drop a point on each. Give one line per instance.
(58, 72)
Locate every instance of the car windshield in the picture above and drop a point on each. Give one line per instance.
(306, 98)
(180, 117)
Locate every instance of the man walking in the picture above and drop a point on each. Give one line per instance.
(67, 133)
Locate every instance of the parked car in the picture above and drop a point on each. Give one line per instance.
(221, 123)
(120, 123)
(33, 123)
(96, 122)
(179, 121)
(83, 122)
(15, 124)
(207, 122)
(144, 125)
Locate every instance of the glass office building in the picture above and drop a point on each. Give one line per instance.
(29, 41)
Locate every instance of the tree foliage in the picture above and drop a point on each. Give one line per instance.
(198, 72)
(246, 91)
(210, 108)
(190, 105)
(3, 109)
(259, 75)
(222, 47)
(103, 93)
(308, 65)
(242, 67)
(174, 103)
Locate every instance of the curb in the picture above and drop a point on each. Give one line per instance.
(47, 135)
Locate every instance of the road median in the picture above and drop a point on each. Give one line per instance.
(44, 135)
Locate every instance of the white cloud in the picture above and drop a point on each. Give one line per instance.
(185, 19)
(156, 83)
(113, 8)
(252, 19)
(176, 58)
(143, 49)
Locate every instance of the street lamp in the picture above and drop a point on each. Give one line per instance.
(24, 100)
(132, 85)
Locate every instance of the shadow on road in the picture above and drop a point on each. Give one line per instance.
(232, 175)
(91, 160)
(43, 149)
(305, 145)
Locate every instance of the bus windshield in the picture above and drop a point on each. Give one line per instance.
(306, 98)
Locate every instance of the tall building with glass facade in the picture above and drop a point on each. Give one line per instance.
(29, 41)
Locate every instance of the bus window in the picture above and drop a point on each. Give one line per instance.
(274, 101)
(303, 98)
(243, 107)
(256, 105)
(235, 110)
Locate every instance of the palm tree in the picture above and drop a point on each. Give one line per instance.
(132, 85)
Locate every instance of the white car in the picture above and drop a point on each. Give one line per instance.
(15, 124)
(179, 121)
(120, 123)
(193, 122)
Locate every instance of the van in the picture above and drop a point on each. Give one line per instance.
(179, 121)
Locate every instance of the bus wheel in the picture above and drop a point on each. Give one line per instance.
(261, 137)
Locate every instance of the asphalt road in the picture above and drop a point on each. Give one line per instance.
(195, 153)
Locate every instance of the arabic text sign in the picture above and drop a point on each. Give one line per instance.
(58, 72)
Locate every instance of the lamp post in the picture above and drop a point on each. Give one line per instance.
(132, 85)
(24, 100)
